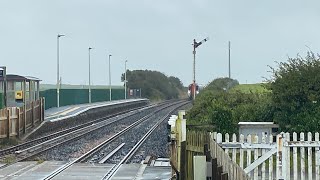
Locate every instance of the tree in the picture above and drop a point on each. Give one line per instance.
(223, 109)
(154, 85)
(295, 87)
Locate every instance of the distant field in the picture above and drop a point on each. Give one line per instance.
(246, 88)
(69, 86)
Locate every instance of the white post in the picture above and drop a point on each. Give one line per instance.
(309, 157)
(287, 162)
(295, 158)
(234, 151)
(271, 160)
(227, 140)
(280, 156)
(302, 158)
(317, 153)
(256, 151)
(263, 168)
(241, 151)
(249, 153)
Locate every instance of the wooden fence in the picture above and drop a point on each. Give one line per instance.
(203, 143)
(15, 121)
(285, 156)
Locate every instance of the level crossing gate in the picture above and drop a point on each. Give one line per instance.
(286, 156)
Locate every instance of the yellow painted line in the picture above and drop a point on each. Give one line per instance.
(70, 110)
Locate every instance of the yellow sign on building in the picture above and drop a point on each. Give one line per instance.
(19, 95)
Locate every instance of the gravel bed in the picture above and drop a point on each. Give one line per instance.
(157, 144)
(133, 136)
(91, 115)
(78, 147)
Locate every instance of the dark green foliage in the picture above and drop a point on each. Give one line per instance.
(295, 89)
(154, 85)
(223, 109)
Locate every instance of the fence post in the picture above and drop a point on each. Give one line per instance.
(224, 176)
(8, 123)
(214, 168)
(32, 113)
(18, 122)
(280, 156)
(183, 160)
(24, 118)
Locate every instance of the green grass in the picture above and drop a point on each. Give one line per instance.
(4, 143)
(70, 86)
(247, 88)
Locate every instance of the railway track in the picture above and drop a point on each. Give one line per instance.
(96, 149)
(13, 149)
(28, 149)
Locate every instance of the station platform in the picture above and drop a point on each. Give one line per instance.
(64, 112)
(32, 170)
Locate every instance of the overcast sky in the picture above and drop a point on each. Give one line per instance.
(155, 35)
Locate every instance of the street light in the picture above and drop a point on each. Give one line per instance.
(89, 76)
(125, 79)
(195, 45)
(58, 78)
(110, 78)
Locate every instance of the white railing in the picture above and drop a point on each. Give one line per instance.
(285, 157)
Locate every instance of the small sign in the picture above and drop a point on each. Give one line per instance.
(19, 95)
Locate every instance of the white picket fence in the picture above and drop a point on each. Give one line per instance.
(284, 157)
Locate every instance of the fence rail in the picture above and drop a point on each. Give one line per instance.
(15, 121)
(286, 156)
(196, 144)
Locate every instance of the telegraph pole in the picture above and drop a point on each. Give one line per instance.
(229, 60)
(195, 45)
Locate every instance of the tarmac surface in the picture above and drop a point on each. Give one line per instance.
(55, 114)
(33, 170)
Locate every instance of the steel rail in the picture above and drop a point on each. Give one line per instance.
(115, 168)
(101, 145)
(30, 143)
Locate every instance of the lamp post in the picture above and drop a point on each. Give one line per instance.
(110, 78)
(3, 73)
(58, 68)
(89, 76)
(125, 79)
(195, 45)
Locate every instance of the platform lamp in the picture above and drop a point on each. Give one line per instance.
(110, 94)
(125, 79)
(58, 68)
(195, 45)
(89, 49)
(3, 73)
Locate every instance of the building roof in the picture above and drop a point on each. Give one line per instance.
(13, 77)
